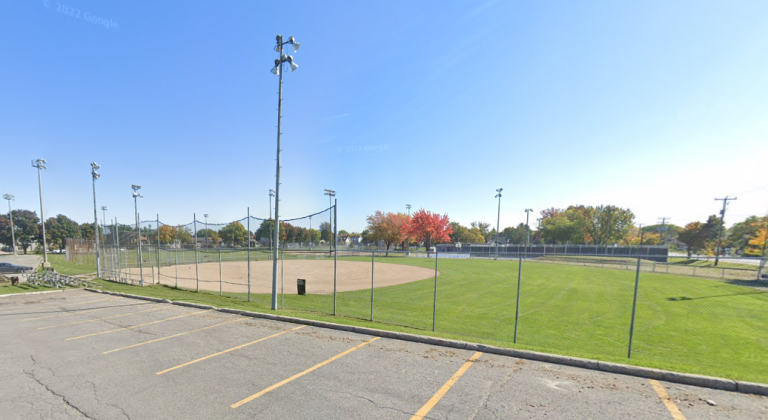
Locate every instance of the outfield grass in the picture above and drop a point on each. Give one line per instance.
(61, 265)
(684, 324)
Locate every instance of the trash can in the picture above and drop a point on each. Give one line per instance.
(301, 284)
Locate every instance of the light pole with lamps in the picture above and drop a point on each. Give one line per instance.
(278, 71)
(330, 194)
(206, 229)
(95, 175)
(498, 216)
(40, 165)
(408, 239)
(136, 196)
(527, 229)
(10, 198)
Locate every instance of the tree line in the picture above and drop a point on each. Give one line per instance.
(576, 224)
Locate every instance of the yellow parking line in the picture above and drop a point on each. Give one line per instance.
(76, 312)
(34, 308)
(441, 393)
(667, 400)
(228, 350)
(97, 319)
(299, 375)
(136, 326)
(171, 336)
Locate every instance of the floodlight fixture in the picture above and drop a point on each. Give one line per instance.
(296, 44)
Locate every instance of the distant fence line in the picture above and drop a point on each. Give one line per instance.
(648, 252)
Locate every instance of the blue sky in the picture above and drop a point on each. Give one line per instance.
(656, 106)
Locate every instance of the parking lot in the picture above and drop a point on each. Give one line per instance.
(77, 354)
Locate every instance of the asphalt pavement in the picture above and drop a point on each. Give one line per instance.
(77, 354)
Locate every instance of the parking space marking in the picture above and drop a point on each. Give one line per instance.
(172, 336)
(299, 375)
(137, 326)
(53, 306)
(97, 319)
(441, 393)
(667, 400)
(228, 350)
(77, 312)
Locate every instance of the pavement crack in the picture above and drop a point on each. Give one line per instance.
(377, 404)
(52, 392)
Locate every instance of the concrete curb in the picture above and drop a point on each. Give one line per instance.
(617, 368)
(30, 293)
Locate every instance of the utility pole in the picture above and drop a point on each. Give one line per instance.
(663, 233)
(722, 222)
(642, 232)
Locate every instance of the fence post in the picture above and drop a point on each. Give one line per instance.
(282, 272)
(517, 303)
(335, 254)
(634, 309)
(248, 223)
(141, 264)
(220, 288)
(373, 263)
(197, 271)
(434, 299)
(158, 249)
(176, 265)
(117, 243)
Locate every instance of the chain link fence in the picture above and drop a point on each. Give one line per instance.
(636, 304)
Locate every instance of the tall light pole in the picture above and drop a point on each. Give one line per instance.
(136, 196)
(10, 198)
(527, 229)
(40, 165)
(538, 230)
(498, 217)
(271, 194)
(95, 175)
(408, 239)
(330, 194)
(722, 222)
(206, 229)
(278, 71)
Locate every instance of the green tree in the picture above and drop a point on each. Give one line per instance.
(234, 234)
(325, 232)
(515, 235)
(483, 229)
(58, 229)
(27, 226)
(209, 236)
(737, 237)
(314, 235)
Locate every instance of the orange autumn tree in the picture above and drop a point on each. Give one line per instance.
(429, 227)
(387, 227)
